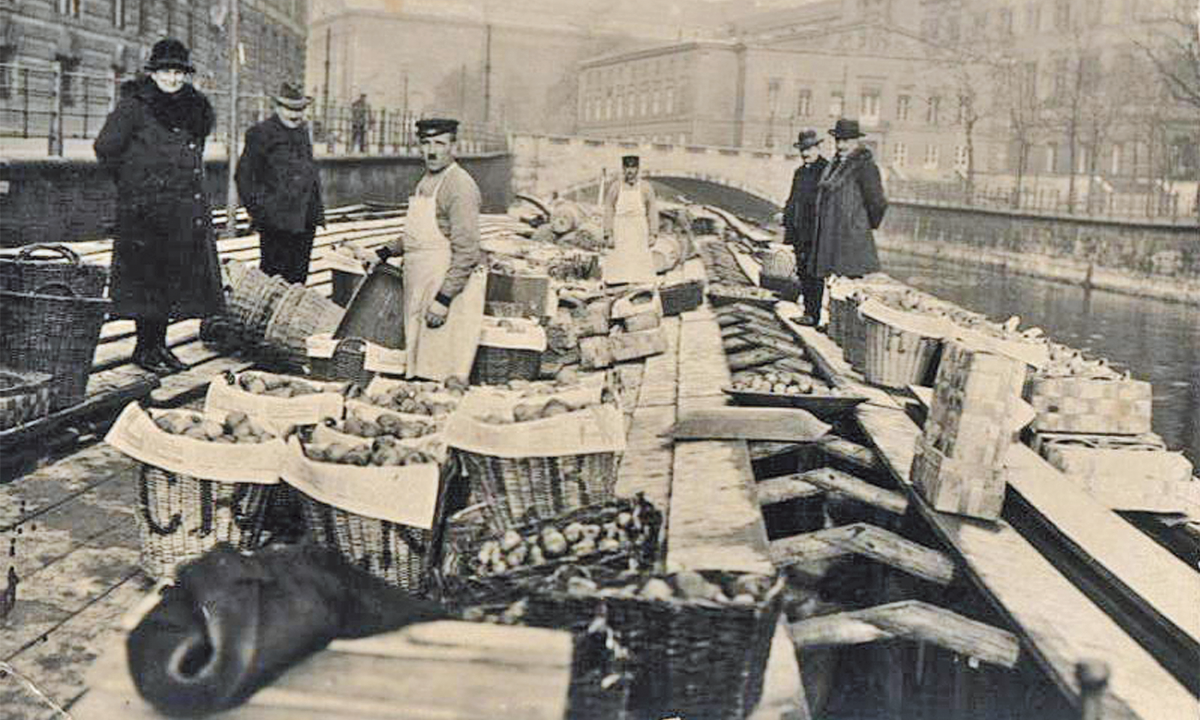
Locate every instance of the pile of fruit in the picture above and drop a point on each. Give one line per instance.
(237, 427)
(687, 585)
(419, 398)
(526, 411)
(384, 451)
(386, 424)
(274, 385)
(780, 382)
(574, 540)
(1068, 362)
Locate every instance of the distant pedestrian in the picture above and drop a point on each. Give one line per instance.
(850, 204)
(164, 263)
(360, 119)
(800, 221)
(278, 183)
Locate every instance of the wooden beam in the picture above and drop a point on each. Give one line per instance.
(911, 620)
(782, 489)
(852, 487)
(860, 456)
(752, 358)
(748, 423)
(869, 541)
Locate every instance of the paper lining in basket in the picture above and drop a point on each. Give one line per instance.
(377, 358)
(405, 494)
(434, 443)
(278, 412)
(512, 333)
(596, 429)
(135, 434)
(483, 399)
(927, 325)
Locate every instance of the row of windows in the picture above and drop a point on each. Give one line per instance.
(632, 70)
(1008, 21)
(644, 103)
(870, 105)
(933, 155)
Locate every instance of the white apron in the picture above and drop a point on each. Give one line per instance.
(630, 260)
(437, 353)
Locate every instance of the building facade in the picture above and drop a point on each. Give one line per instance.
(68, 56)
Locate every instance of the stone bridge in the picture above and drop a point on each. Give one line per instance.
(546, 164)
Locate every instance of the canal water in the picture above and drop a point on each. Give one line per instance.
(1155, 340)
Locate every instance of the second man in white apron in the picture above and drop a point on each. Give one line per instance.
(444, 274)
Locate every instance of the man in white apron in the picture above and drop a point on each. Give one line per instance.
(445, 277)
(631, 221)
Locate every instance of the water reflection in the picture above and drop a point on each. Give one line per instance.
(1154, 340)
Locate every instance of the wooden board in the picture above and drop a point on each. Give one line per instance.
(782, 489)
(847, 485)
(868, 541)
(1020, 582)
(436, 671)
(749, 423)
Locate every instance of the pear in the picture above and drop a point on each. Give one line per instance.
(656, 589)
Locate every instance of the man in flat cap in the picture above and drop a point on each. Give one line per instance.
(631, 223)
(278, 183)
(850, 204)
(800, 220)
(444, 274)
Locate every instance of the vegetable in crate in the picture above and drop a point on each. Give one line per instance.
(386, 424)
(237, 427)
(381, 452)
(275, 385)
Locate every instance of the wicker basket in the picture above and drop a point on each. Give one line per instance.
(24, 397)
(839, 308)
(468, 530)
(26, 273)
(181, 517)
(299, 313)
(397, 554)
(854, 338)
(345, 364)
(55, 334)
(697, 659)
(512, 488)
(497, 365)
(893, 357)
(681, 297)
(252, 298)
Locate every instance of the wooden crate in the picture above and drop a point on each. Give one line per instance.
(1091, 405)
(970, 418)
(635, 345)
(957, 487)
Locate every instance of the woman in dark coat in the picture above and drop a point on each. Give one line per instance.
(850, 205)
(164, 264)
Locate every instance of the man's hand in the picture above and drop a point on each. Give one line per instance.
(435, 315)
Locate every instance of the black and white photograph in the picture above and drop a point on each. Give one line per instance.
(600, 359)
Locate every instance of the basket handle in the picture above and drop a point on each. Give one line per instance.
(67, 253)
(362, 344)
(41, 290)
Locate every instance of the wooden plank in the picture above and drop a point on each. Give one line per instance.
(1005, 567)
(866, 540)
(749, 423)
(753, 357)
(782, 489)
(449, 671)
(911, 620)
(850, 486)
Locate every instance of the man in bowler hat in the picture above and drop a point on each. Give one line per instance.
(278, 183)
(850, 205)
(800, 220)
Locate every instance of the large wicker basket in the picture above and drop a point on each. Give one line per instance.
(31, 269)
(397, 554)
(252, 298)
(181, 517)
(299, 313)
(698, 659)
(893, 357)
(512, 488)
(498, 365)
(681, 297)
(54, 330)
(468, 530)
(345, 364)
(24, 397)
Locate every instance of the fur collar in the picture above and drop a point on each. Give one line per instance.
(848, 168)
(187, 109)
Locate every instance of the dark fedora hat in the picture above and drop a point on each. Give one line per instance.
(806, 139)
(170, 53)
(291, 95)
(428, 127)
(846, 129)
(630, 161)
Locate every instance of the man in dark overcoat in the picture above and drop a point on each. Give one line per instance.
(164, 263)
(800, 220)
(850, 205)
(278, 182)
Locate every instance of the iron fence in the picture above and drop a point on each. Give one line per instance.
(57, 105)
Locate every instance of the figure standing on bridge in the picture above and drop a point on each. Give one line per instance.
(850, 204)
(360, 119)
(164, 262)
(444, 274)
(631, 224)
(800, 221)
(278, 183)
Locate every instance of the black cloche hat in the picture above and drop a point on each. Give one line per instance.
(170, 53)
